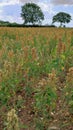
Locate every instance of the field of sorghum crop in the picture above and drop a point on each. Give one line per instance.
(36, 78)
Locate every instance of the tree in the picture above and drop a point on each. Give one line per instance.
(61, 17)
(32, 13)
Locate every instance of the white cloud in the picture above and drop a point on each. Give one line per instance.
(13, 2)
(46, 7)
(4, 16)
(11, 18)
(1, 10)
(47, 21)
(26, 1)
(8, 2)
(62, 2)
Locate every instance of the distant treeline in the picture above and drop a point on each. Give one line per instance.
(8, 24)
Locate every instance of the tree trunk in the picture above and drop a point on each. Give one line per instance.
(60, 24)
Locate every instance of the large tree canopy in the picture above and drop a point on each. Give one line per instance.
(61, 17)
(32, 13)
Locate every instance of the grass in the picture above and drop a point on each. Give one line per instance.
(36, 73)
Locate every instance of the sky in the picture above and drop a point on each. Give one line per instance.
(10, 10)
